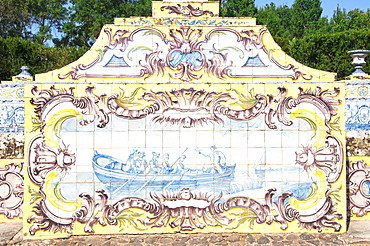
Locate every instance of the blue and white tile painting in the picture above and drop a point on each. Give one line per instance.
(11, 116)
(357, 90)
(357, 106)
(134, 158)
(358, 115)
(11, 108)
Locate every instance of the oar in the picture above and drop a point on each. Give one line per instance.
(146, 183)
(124, 184)
(179, 157)
(173, 180)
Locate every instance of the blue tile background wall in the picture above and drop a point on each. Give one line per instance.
(11, 121)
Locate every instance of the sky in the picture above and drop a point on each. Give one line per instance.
(328, 5)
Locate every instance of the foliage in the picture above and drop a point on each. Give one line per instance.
(87, 17)
(352, 20)
(64, 22)
(238, 8)
(330, 51)
(35, 20)
(305, 17)
(276, 18)
(15, 52)
(128, 218)
(314, 40)
(14, 19)
(47, 16)
(246, 216)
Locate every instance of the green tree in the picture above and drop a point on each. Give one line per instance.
(88, 17)
(329, 52)
(343, 20)
(35, 20)
(305, 19)
(47, 18)
(238, 8)
(14, 19)
(15, 52)
(277, 19)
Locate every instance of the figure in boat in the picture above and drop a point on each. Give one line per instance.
(217, 159)
(178, 166)
(166, 162)
(135, 163)
(154, 166)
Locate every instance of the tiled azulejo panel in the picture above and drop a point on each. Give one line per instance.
(11, 190)
(154, 158)
(162, 54)
(11, 121)
(175, 127)
(357, 130)
(358, 118)
(359, 183)
(11, 151)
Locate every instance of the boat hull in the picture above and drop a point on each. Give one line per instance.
(110, 172)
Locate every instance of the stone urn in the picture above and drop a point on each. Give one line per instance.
(358, 61)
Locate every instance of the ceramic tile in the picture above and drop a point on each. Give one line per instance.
(178, 117)
(256, 139)
(274, 156)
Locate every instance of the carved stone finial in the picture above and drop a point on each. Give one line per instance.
(24, 75)
(24, 71)
(358, 61)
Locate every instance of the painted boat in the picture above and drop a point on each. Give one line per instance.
(117, 174)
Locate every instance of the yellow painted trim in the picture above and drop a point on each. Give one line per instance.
(54, 196)
(322, 188)
(55, 124)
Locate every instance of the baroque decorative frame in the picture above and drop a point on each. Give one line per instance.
(188, 51)
(183, 210)
(186, 11)
(11, 185)
(359, 179)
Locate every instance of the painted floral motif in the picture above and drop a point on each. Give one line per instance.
(328, 158)
(14, 91)
(183, 210)
(47, 159)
